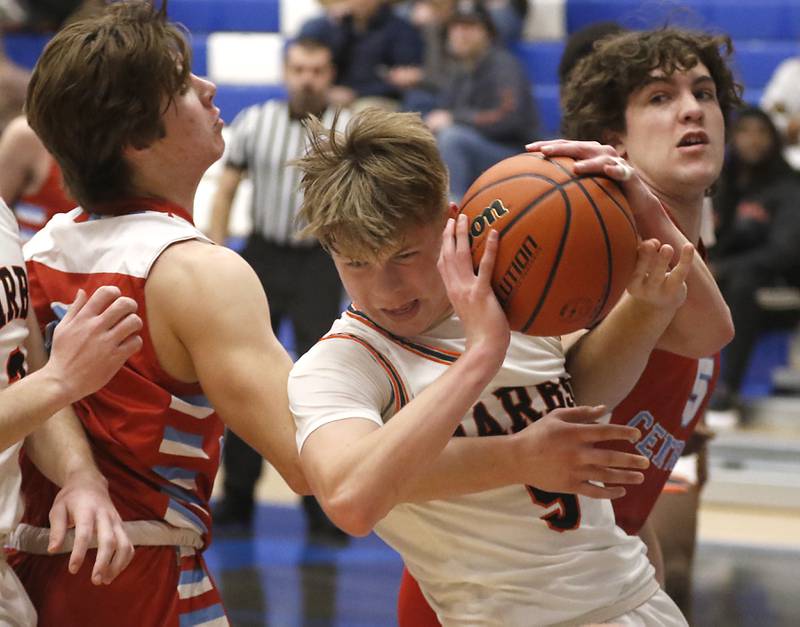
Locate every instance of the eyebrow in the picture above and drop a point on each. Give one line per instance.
(704, 78)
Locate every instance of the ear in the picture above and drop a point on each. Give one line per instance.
(452, 210)
(617, 140)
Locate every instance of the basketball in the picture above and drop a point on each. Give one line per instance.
(567, 244)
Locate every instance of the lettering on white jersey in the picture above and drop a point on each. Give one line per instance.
(13, 294)
(514, 409)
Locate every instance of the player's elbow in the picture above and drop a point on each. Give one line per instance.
(297, 483)
(713, 339)
(698, 340)
(352, 511)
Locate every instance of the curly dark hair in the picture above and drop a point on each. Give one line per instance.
(597, 91)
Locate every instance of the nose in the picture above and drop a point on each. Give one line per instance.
(690, 111)
(206, 89)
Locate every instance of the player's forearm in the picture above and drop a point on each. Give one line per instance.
(256, 407)
(220, 216)
(227, 184)
(465, 466)
(59, 448)
(28, 403)
(362, 483)
(702, 326)
(606, 362)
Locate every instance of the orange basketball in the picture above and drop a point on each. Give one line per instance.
(567, 245)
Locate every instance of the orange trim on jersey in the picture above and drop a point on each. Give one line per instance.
(398, 387)
(675, 489)
(432, 353)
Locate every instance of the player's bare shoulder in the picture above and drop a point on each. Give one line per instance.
(197, 271)
(197, 291)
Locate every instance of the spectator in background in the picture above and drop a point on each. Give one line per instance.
(781, 99)
(430, 17)
(30, 179)
(377, 54)
(486, 110)
(757, 209)
(300, 277)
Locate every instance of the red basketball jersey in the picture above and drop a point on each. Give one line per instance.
(158, 447)
(665, 405)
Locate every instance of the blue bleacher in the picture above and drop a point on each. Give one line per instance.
(541, 59)
(233, 98)
(208, 16)
(741, 19)
(756, 60)
(24, 49)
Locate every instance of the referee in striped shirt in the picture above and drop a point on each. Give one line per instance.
(297, 274)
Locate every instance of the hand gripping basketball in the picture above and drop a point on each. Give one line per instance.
(567, 243)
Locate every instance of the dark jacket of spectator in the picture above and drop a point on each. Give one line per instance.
(493, 97)
(757, 209)
(363, 57)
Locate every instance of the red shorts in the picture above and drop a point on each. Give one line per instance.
(412, 608)
(159, 588)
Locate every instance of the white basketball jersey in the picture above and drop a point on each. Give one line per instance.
(510, 556)
(14, 304)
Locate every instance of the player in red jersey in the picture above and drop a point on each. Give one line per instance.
(97, 336)
(665, 116)
(113, 99)
(30, 179)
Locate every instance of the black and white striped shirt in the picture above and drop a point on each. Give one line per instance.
(262, 139)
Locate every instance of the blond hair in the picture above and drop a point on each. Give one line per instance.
(364, 188)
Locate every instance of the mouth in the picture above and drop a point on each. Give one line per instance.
(407, 310)
(692, 139)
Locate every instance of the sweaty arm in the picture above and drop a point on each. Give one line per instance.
(227, 184)
(606, 362)
(229, 345)
(358, 469)
(703, 324)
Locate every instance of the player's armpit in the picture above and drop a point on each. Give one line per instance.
(218, 315)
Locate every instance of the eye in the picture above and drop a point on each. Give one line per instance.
(659, 97)
(352, 263)
(708, 94)
(406, 256)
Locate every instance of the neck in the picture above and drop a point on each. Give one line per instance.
(167, 188)
(685, 207)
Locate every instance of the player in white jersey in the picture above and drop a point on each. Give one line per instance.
(96, 336)
(421, 357)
